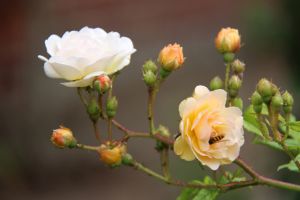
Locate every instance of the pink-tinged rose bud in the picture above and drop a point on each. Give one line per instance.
(63, 137)
(102, 83)
(112, 153)
(228, 40)
(171, 57)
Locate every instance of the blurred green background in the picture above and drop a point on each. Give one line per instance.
(32, 105)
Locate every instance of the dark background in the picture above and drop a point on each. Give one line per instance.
(32, 105)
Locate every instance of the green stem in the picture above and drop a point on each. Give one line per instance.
(79, 92)
(227, 73)
(164, 156)
(87, 147)
(262, 127)
(151, 98)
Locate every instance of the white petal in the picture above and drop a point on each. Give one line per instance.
(200, 91)
(51, 44)
(67, 72)
(79, 83)
(50, 72)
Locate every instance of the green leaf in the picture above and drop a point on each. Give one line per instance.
(268, 143)
(295, 126)
(250, 121)
(291, 165)
(199, 194)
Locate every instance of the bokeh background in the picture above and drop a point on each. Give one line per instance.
(32, 104)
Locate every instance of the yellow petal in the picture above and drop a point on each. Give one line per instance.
(182, 149)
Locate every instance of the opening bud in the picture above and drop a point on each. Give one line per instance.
(171, 57)
(150, 66)
(102, 84)
(63, 137)
(277, 102)
(216, 83)
(256, 99)
(93, 110)
(228, 40)
(266, 89)
(149, 78)
(237, 102)
(288, 102)
(238, 66)
(111, 153)
(111, 107)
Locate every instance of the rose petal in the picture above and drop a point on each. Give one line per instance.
(182, 149)
(51, 44)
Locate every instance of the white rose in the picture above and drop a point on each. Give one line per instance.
(210, 132)
(80, 56)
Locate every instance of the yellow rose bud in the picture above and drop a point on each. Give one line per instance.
(210, 132)
(171, 57)
(111, 154)
(63, 137)
(228, 40)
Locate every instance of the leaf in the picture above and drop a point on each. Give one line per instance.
(250, 121)
(228, 177)
(295, 126)
(268, 143)
(291, 165)
(199, 194)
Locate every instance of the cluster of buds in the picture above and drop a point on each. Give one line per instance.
(150, 73)
(63, 137)
(112, 153)
(268, 93)
(228, 42)
(170, 58)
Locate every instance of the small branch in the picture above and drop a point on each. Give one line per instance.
(81, 96)
(164, 156)
(96, 131)
(151, 98)
(87, 147)
(261, 180)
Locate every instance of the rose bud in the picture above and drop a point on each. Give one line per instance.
(228, 40)
(150, 66)
(216, 83)
(237, 102)
(277, 102)
(265, 89)
(102, 83)
(288, 102)
(93, 110)
(238, 66)
(234, 85)
(171, 57)
(256, 99)
(111, 154)
(149, 78)
(63, 137)
(111, 107)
